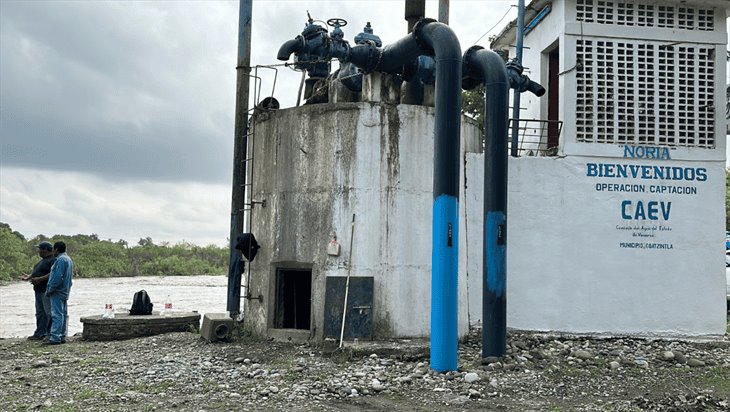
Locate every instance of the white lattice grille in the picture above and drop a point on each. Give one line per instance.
(645, 93)
(646, 15)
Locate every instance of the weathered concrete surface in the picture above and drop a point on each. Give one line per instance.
(318, 165)
(124, 326)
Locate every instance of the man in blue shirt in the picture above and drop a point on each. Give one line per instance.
(39, 279)
(59, 286)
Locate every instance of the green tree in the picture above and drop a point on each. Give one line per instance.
(14, 254)
(102, 259)
(472, 104)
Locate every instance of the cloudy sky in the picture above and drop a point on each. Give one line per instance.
(116, 118)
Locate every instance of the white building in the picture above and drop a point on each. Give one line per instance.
(620, 231)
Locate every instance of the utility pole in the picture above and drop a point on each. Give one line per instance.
(444, 11)
(240, 149)
(516, 95)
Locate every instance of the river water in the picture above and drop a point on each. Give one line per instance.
(204, 294)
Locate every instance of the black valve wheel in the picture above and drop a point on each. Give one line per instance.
(337, 22)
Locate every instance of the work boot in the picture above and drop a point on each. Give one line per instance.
(36, 337)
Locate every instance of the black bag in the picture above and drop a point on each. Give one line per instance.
(141, 304)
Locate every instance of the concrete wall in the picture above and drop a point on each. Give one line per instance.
(576, 264)
(316, 166)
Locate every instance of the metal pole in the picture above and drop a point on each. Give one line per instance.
(516, 95)
(415, 9)
(444, 11)
(347, 283)
(240, 146)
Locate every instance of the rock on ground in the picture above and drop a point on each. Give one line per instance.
(181, 372)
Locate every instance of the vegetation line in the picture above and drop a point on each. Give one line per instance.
(94, 257)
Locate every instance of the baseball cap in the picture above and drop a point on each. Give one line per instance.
(46, 245)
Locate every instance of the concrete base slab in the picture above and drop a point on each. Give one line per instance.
(125, 326)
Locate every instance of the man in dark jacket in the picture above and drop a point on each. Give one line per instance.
(39, 279)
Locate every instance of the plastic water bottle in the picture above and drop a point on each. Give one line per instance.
(167, 310)
(108, 311)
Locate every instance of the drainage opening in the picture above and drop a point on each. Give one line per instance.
(293, 298)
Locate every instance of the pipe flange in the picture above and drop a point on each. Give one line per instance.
(418, 35)
(471, 78)
(374, 56)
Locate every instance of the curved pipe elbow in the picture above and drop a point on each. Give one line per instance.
(291, 46)
(484, 66)
(439, 38)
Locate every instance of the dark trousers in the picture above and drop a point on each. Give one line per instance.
(42, 314)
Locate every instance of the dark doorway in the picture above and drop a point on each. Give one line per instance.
(553, 98)
(293, 299)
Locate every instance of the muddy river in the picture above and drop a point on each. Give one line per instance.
(205, 294)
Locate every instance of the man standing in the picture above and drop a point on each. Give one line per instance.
(39, 279)
(59, 286)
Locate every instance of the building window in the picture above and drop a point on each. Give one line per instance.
(642, 92)
(646, 15)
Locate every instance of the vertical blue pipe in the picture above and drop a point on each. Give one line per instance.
(445, 241)
(444, 284)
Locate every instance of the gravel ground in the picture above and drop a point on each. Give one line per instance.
(180, 371)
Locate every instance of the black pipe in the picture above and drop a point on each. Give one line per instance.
(486, 66)
(290, 46)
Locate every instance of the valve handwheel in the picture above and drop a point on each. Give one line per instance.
(337, 22)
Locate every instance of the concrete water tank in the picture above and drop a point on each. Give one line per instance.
(317, 165)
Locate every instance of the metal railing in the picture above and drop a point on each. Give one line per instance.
(533, 137)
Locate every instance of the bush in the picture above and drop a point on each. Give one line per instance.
(15, 255)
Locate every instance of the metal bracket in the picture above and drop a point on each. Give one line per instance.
(260, 298)
(362, 309)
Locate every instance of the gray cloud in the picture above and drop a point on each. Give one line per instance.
(122, 90)
(146, 90)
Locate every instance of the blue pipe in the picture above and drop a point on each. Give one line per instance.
(486, 66)
(445, 241)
